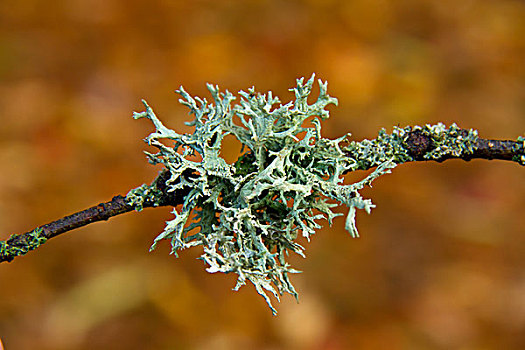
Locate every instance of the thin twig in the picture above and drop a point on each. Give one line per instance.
(20, 244)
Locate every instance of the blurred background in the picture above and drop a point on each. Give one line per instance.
(440, 264)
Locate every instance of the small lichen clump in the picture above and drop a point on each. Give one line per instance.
(18, 245)
(434, 142)
(247, 215)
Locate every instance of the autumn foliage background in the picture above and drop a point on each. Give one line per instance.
(440, 264)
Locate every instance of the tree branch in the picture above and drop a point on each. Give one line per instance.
(417, 145)
(17, 245)
(20, 244)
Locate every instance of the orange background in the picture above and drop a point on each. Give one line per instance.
(440, 264)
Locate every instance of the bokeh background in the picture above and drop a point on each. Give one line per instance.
(440, 264)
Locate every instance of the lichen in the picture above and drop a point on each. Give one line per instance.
(442, 142)
(18, 245)
(247, 215)
(145, 193)
(367, 154)
(452, 141)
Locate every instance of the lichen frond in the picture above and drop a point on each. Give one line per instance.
(247, 215)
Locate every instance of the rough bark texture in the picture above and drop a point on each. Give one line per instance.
(99, 212)
(418, 145)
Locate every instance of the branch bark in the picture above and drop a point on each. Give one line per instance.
(417, 145)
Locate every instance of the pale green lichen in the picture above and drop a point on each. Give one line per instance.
(247, 215)
(145, 193)
(366, 154)
(18, 245)
(443, 141)
(451, 141)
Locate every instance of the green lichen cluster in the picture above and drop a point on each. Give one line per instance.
(451, 141)
(137, 197)
(18, 245)
(443, 141)
(367, 154)
(247, 215)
